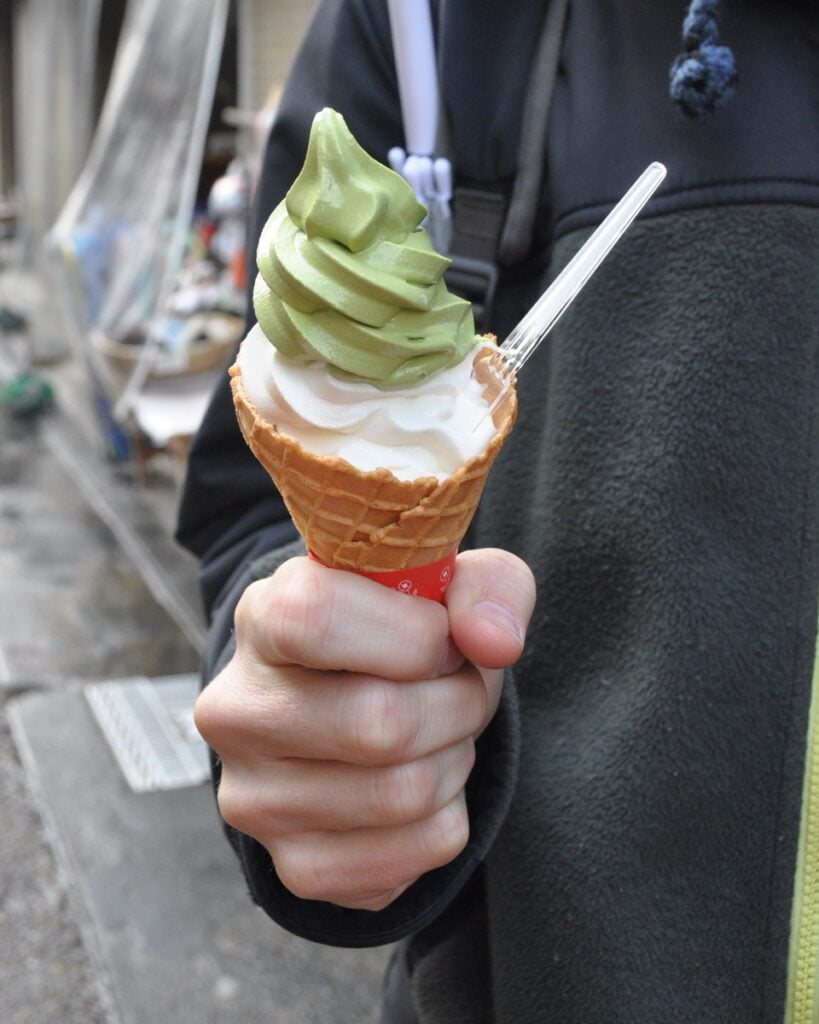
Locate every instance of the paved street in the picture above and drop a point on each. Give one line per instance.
(118, 907)
(45, 975)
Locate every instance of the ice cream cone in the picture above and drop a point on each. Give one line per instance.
(373, 522)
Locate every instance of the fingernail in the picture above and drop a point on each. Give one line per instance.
(500, 617)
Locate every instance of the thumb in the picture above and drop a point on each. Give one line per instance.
(490, 602)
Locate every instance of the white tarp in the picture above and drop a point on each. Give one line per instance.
(120, 237)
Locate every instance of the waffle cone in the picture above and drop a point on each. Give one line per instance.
(372, 521)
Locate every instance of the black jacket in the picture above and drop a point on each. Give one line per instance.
(636, 803)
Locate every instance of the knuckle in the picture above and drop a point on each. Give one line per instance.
(243, 720)
(206, 714)
(470, 756)
(215, 714)
(464, 762)
(246, 610)
(299, 871)
(406, 792)
(448, 833)
(383, 873)
(479, 706)
(378, 724)
(375, 901)
(413, 637)
(298, 614)
(363, 881)
(238, 805)
(260, 805)
(289, 614)
(426, 638)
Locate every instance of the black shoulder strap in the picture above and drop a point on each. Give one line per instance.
(489, 230)
(518, 228)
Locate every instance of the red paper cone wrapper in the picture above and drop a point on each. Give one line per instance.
(429, 581)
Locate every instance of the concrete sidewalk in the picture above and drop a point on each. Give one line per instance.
(118, 907)
(170, 933)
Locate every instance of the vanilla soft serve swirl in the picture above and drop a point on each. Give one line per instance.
(427, 430)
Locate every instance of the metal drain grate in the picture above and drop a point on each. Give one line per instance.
(148, 724)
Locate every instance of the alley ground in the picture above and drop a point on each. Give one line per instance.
(118, 906)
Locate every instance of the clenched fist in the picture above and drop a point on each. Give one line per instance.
(347, 718)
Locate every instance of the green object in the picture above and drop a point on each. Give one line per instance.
(26, 395)
(347, 277)
(10, 320)
(802, 998)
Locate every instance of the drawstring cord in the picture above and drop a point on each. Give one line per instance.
(704, 74)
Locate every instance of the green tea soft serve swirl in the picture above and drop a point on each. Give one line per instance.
(348, 278)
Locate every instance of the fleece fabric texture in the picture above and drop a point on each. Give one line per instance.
(635, 804)
(667, 463)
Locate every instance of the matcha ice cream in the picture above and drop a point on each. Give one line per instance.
(347, 278)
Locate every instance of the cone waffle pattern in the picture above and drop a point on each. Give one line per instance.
(372, 521)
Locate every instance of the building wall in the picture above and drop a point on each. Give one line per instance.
(269, 35)
(6, 103)
(53, 66)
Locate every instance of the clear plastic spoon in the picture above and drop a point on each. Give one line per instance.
(541, 318)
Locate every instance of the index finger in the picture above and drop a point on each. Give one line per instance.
(320, 618)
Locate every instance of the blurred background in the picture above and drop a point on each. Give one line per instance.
(130, 135)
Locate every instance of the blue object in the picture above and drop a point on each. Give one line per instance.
(704, 75)
(116, 441)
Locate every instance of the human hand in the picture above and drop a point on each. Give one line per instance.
(346, 720)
